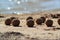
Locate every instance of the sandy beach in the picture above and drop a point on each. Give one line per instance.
(39, 32)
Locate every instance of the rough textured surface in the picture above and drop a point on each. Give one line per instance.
(29, 18)
(8, 21)
(49, 23)
(12, 18)
(43, 19)
(1, 16)
(58, 21)
(54, 16)
(39, 21)
(39, 32)
(15, 22)
(15, 36)
(30, 23)
(58, 15)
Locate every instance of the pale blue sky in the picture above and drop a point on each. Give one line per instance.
(24, 6)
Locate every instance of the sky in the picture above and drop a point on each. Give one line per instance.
(27, 6)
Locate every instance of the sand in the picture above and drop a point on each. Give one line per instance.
(39, 32)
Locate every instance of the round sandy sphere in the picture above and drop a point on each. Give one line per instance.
(39, 21)
(30, 23)
(59, 21)
(49, 23)
(43, 19)
(8, 21)
(29, 18)
(15, 22)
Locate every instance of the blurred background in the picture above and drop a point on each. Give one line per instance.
(28, 6)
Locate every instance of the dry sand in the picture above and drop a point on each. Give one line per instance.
(39, 32)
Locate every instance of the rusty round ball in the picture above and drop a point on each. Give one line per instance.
(58, 15)
(49, 23)
(43, 19)
(8, 21)
(29, 18)
(39, 21)
(30, 23)
(15, 22)
(12, 18)
(58, 21)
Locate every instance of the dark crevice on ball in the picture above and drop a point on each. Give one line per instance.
(49, 23)
(58, 21)
(30, 23)
(15, 22)
(29, 18)
(8, 21)
(43, 19)
(39, 21)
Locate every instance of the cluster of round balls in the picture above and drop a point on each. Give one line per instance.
(40, 20)
(12, 20)
(54, 16)
(30, 22)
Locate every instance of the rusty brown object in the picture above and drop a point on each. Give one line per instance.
(12, 18)
(39, 21)
(58, 15)
(15, 22)
(49, 23)
(8, 21)
(54, 15)
(29, 18)
(30, 23)
(1, 16)
(58, 21)
(43, 19)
